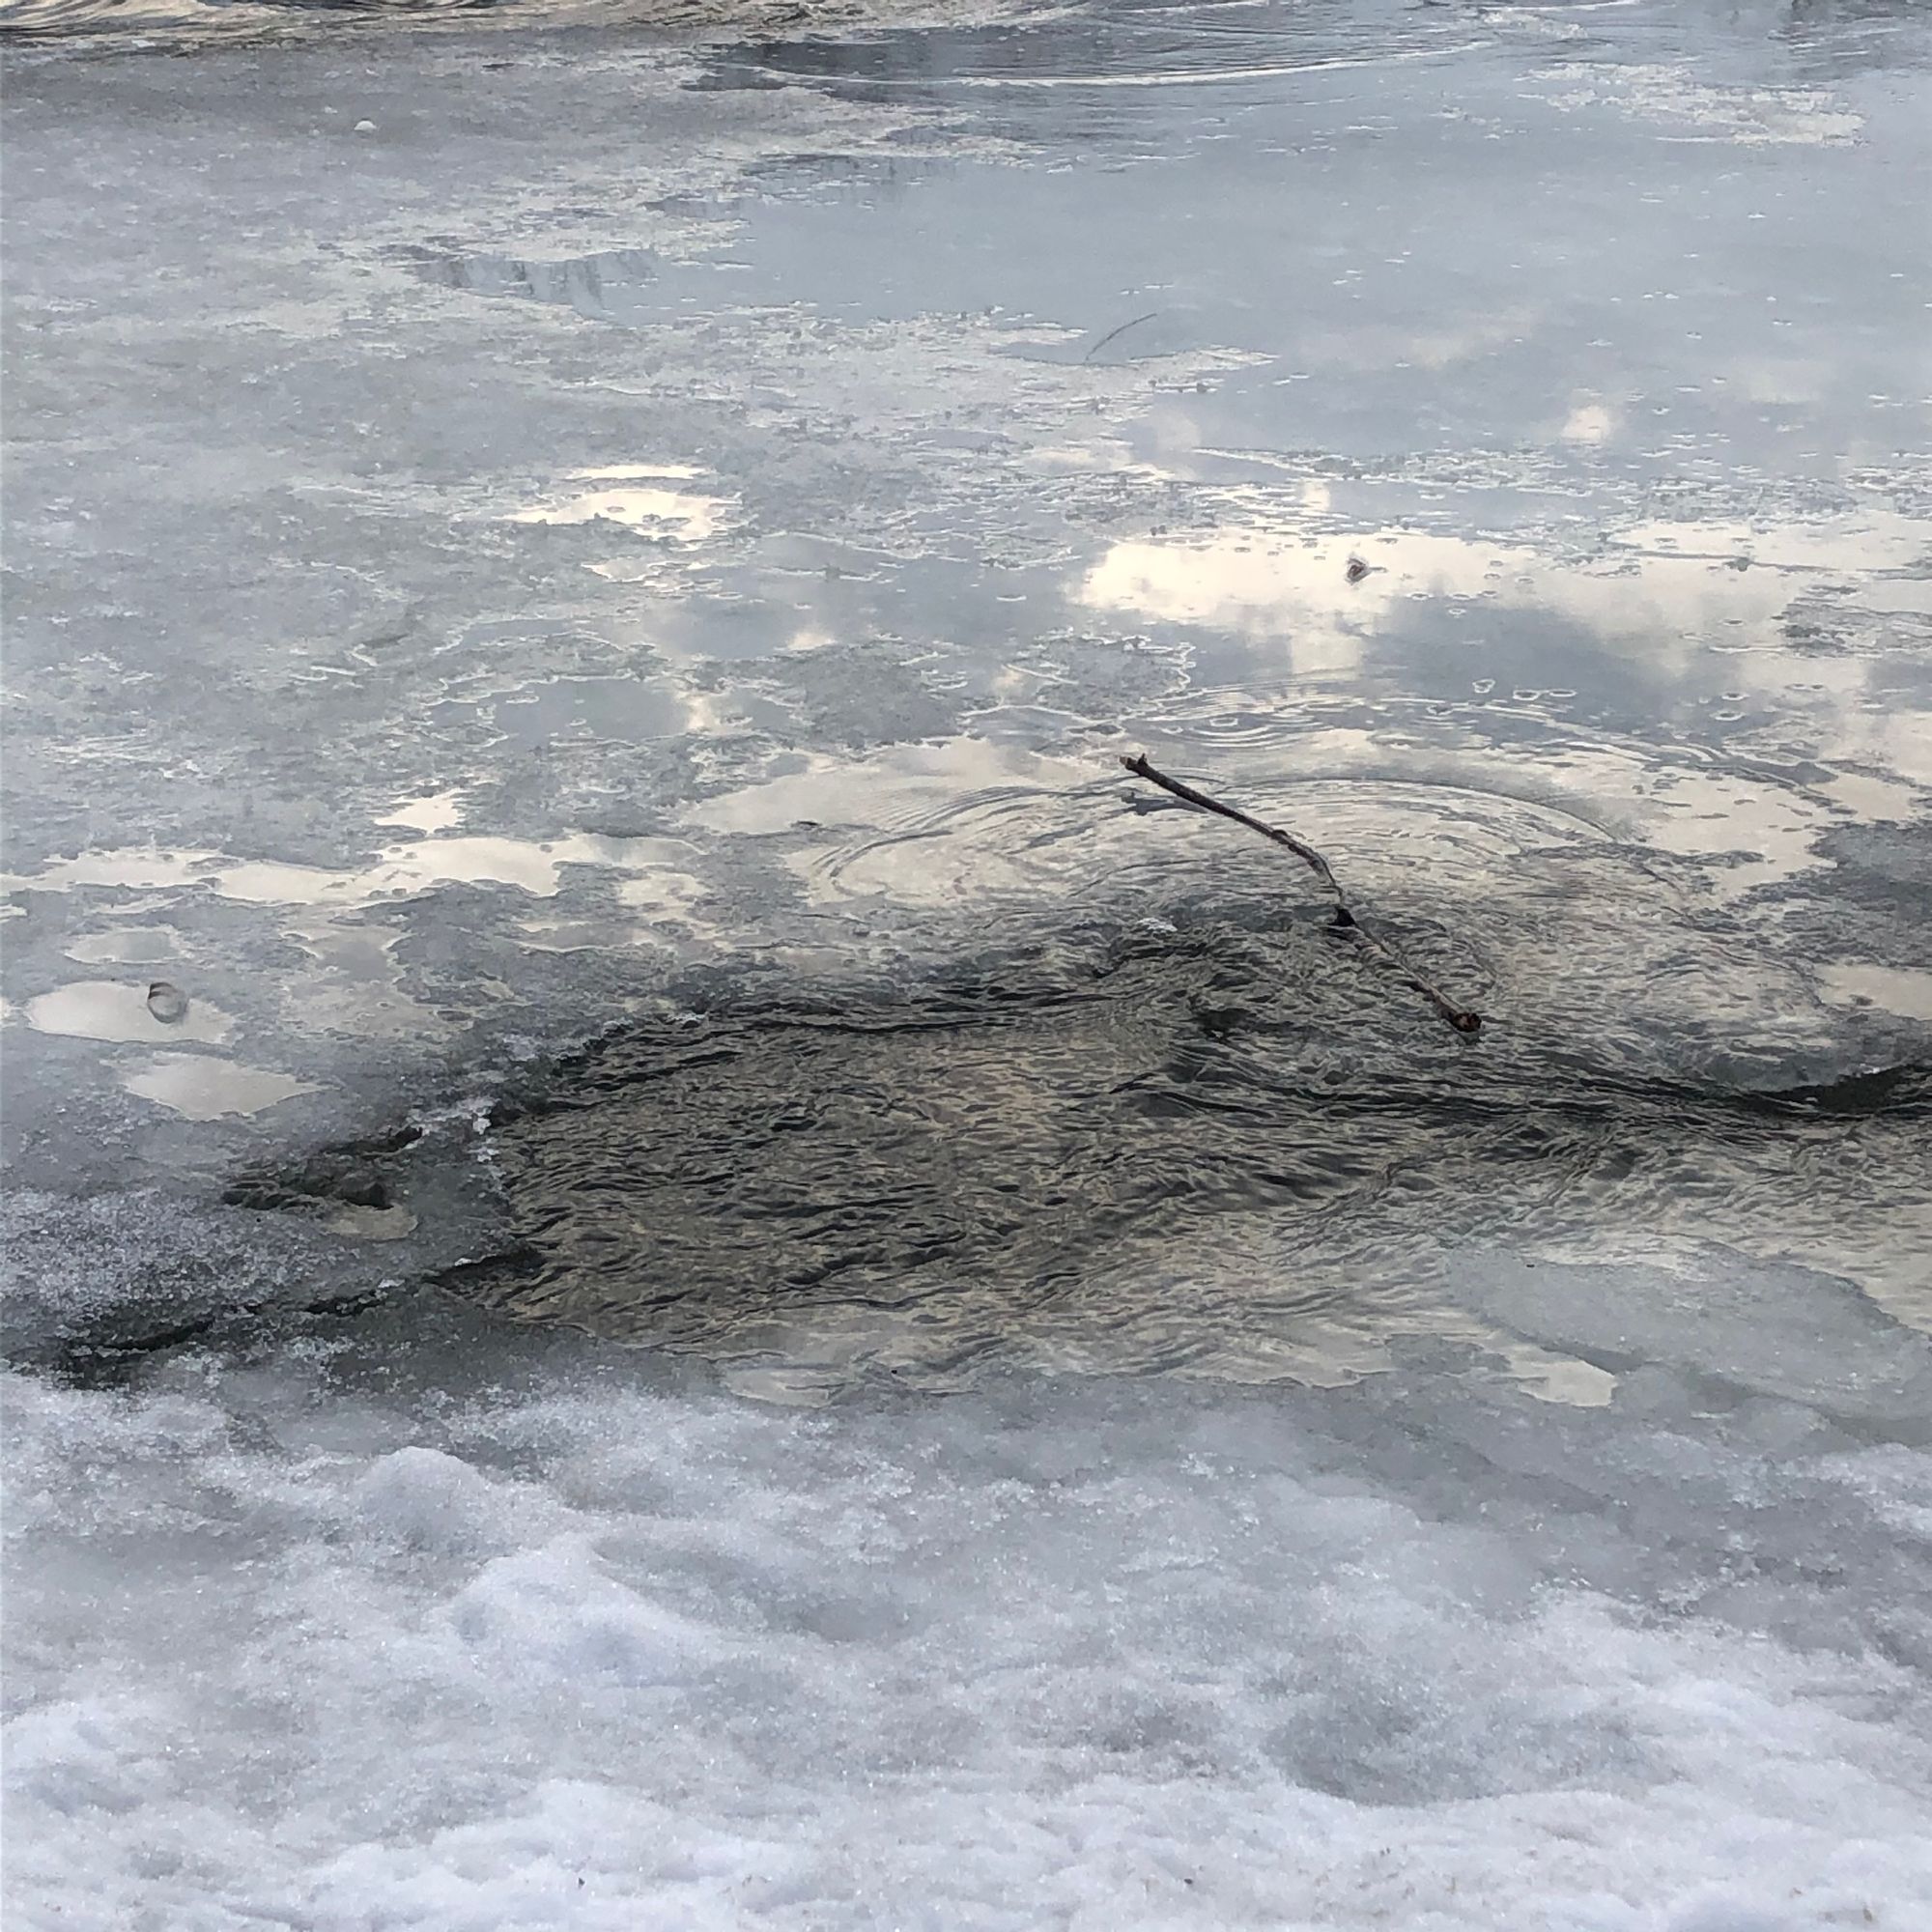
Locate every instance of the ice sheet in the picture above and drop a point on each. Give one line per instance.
(508, 532)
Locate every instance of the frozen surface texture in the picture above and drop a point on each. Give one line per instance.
(499, 525)
(573, 602)
(312, 1643)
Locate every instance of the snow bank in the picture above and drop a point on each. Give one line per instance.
(310, 1643)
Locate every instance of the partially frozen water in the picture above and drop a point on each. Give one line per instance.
(747, 1286)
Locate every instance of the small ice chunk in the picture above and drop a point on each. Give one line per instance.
(555, 1610)
(429, 1500)
(167, 1001)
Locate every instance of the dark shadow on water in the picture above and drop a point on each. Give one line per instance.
(1025, 1162)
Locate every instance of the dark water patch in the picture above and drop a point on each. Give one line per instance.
(1212, 1141)
(1126, 49)
(341, 1176)
(1183, 1149)
(1903, 1091)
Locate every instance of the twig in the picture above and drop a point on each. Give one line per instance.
(1463, 1019)
(1120, 330)
(1200, 801)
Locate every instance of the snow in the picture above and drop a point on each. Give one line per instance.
(295, 1643)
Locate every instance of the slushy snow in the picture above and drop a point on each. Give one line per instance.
(296, 1644)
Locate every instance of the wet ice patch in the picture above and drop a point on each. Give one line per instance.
(1687, 108)
(532, 866)
(1763, 1328)
(109, 1010)
(125, 945)
(205, 1087)
(613, 286)
(548, 710)
(1906, 990)
(1656, 593)
(638, 498)
(428, 812)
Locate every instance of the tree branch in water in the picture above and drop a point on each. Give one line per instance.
(1463, 1019)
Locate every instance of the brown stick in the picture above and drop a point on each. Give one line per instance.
(1200, 801)
(1121, 330)
(1463, 1019)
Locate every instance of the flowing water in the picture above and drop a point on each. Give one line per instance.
(649, 1200)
